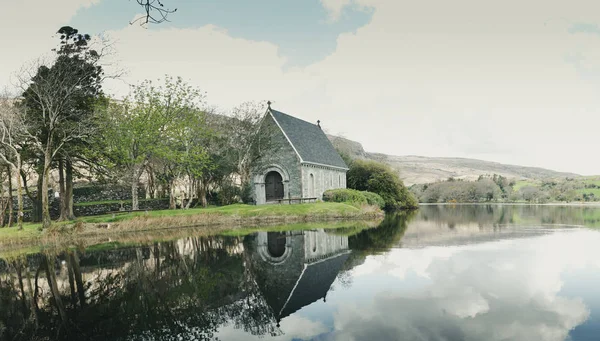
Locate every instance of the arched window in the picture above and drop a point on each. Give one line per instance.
(311, 185)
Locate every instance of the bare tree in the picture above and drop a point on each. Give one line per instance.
(156, 12)
(13, 134)
(249, 139)
(52, 95)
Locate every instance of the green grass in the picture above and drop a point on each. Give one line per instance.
(225, 217)
(524, 183)
(30, 230)
(595, 191)
(238, 210)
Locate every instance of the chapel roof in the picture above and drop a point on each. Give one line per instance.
(308, 140)
(314, 283)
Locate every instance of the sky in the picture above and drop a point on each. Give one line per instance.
(512, 81)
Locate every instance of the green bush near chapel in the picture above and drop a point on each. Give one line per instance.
(353, 197)
(381, 179)
(374, 199)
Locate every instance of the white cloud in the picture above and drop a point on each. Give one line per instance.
(230, 70)
(28, 28)
(427, 74)
(458, 78)
(508, 290)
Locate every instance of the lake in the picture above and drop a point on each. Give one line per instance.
(464, 272)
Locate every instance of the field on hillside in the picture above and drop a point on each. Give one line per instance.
(421, 169)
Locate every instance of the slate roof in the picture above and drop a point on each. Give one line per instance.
(309, 140)
(313, 284)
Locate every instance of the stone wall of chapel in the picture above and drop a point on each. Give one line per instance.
(324, 178)
(283, 158)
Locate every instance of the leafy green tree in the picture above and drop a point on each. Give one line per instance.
(152, 122)
(378, 178)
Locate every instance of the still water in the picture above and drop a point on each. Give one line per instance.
(480, 272)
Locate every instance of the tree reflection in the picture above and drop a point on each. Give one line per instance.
(186, 289)
(386, 235)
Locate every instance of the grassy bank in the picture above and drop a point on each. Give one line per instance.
(212, 220)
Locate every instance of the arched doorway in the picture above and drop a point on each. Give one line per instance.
(273, 186)
(276, 244)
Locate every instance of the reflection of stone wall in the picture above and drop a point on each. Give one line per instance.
(276, 279)
(319, 244)
(278, 273)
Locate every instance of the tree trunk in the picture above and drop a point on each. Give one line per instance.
(62, 191)
(3, 200)
(71, 280)
(151, 184)
(202, 195)
(69, 189)
(10, 195)
(37, 202)
(19, 269)
(135, 178)
(191, 193)
(19, 196)
(172, 201)
(32, 297)
(46, 220)
(78, 278)
(36, 214)
(51, 275)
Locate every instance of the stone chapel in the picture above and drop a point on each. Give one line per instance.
(304, 165)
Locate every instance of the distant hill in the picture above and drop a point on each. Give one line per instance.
(421, 169)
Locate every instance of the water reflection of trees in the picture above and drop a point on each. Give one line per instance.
(192, 287)
(386, 235)
(153, 292)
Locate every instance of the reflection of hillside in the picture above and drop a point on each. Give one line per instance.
(467, 224)
(505, 214)
(424, 233)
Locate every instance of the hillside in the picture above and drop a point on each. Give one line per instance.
(421, 169)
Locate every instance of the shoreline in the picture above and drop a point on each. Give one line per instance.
(205, 221)
(578, 204)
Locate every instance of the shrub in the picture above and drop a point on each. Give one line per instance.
(378, 178)
(374, 199)
(247, 193)
(353, 197)
(345, 195)
(227, 195)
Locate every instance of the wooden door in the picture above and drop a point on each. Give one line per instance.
(273, 186)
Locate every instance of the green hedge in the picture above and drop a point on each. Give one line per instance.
(354, 197)
(374, 199)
